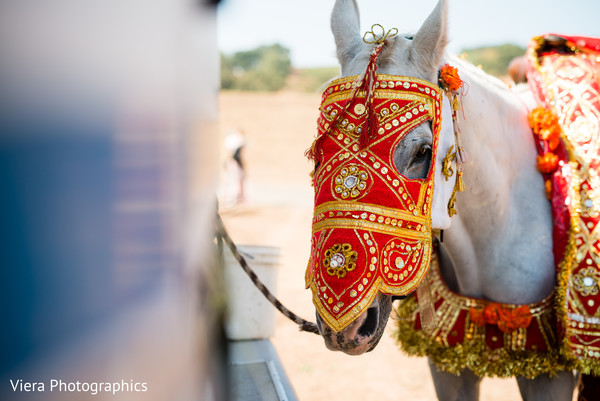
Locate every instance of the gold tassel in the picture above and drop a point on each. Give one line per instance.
(460, 183)
(459, 186)
(452, 205)
(455, 103)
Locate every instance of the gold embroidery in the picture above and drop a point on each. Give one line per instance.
(339, 260)
(449, 353)
(360, 109)
(365, 210)
(331, 223)
(350, 182)
(577, 283)
(586, 281)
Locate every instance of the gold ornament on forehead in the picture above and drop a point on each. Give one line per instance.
(378, 35)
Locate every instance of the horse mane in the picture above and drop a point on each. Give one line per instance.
(476, 73)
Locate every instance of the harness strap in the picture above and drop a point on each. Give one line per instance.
(222, 234)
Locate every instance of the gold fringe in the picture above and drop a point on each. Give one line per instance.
(473, 354)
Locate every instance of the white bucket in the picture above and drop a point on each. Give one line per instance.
(250, 315)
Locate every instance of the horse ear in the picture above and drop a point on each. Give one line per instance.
(430, 42)
(345, 25)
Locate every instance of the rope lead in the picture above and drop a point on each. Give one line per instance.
(304, 325)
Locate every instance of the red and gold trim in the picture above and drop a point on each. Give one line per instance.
(564, 76)
(488, 338)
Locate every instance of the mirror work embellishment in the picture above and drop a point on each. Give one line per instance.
(339, 260)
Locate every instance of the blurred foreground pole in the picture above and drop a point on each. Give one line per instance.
(107, 176)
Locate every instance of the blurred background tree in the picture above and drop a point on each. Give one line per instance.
(494, 59)
(269, 68)
(265, 68)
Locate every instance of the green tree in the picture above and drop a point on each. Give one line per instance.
(494, 59)
(262, 69)
(227, 77)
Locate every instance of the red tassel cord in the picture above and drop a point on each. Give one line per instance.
(368, 85)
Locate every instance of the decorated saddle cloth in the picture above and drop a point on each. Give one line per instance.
(489, 338)
(563, 331)
(564, 76)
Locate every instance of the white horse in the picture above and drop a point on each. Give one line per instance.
(499, 246)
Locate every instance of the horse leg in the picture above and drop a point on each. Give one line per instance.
(589, 388)
(449, 387)
(545, 388)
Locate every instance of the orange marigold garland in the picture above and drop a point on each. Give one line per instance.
(547, 163)
(477, 316)
(545, 123)
(507, 320)
(546, 126)
(449, 79)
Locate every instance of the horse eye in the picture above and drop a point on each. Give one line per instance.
(409, 37)
(423, 152)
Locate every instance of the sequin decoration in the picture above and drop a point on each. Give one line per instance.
(339, 260)
(586, 281)
(350, 182)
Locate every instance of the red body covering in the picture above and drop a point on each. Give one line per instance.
(564, 75)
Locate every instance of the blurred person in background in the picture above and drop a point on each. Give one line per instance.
(234, 166)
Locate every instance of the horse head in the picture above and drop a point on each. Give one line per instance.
(365, 249)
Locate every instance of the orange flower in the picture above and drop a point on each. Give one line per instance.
(449, 78)
(550, 132)
(537, 117)
(522, 315)
(519, 317)
(507, 319)
(547, 163)
(477, 316)
(507, 326)
(548, 185)
(545, 123)
(492, 313)
(553, 143)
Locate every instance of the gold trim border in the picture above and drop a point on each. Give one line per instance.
(379, 285)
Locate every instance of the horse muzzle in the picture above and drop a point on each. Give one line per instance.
(363, 334)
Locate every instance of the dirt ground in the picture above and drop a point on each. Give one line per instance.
(278, 128)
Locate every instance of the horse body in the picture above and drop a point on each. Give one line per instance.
(499, 246)
(500, 241)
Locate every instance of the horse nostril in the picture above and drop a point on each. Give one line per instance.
(370, 324)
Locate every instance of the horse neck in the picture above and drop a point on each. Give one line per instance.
(500, 242)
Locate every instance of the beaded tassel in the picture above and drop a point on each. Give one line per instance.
(368, 83)
(461, 155)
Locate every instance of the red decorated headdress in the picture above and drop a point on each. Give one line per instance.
(371, 226)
